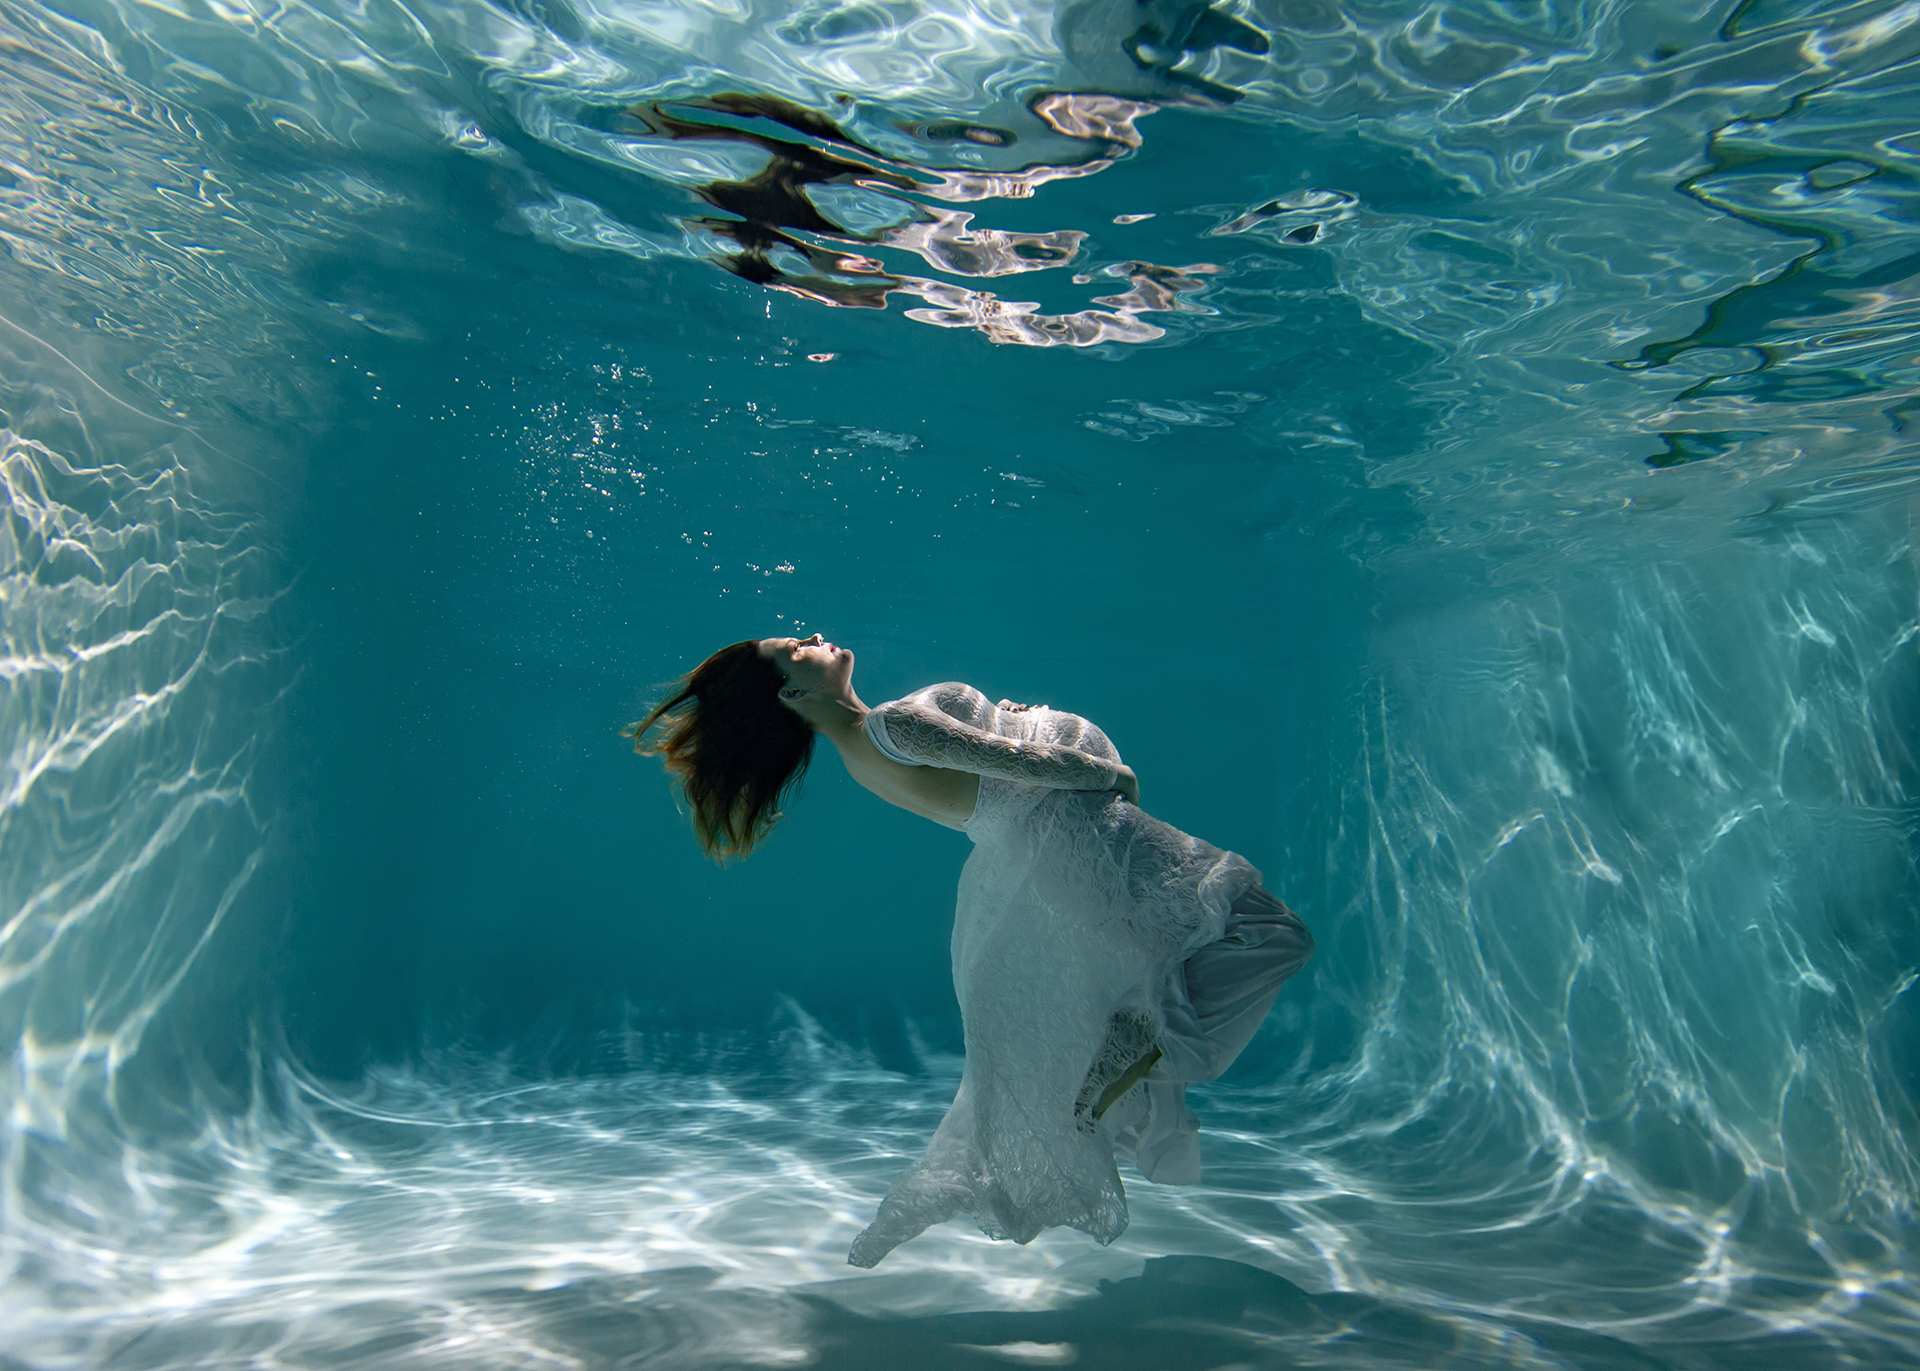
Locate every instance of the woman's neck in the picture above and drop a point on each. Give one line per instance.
(838, 719)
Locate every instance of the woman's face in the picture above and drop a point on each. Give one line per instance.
(812, 664)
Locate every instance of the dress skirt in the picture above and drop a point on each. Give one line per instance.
(1213, 1004)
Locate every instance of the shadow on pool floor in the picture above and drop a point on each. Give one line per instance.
(1181, 1313)
(1189, 1314)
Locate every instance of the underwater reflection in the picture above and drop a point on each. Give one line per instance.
(778, 218)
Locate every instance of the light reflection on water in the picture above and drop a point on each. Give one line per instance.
(460, 1216)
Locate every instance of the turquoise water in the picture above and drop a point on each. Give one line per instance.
(1463, 454)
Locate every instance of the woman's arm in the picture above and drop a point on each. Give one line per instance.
(937, 762)
(923, 734)
(947, 797)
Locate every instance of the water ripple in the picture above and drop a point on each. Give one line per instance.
(878, 122)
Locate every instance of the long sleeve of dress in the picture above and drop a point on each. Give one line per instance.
(923, 730)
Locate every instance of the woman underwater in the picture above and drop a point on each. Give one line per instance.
(1103, 960)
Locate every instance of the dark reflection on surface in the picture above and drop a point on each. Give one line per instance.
(1152, 48)
(789, 242)
(1681, 448)
(772, 206)
(1831, 325)
(1172, 31)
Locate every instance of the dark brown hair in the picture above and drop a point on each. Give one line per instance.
(736, 749)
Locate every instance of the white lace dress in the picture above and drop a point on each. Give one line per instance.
(1075, 907)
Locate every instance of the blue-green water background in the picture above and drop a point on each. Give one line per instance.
(1519, 572)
